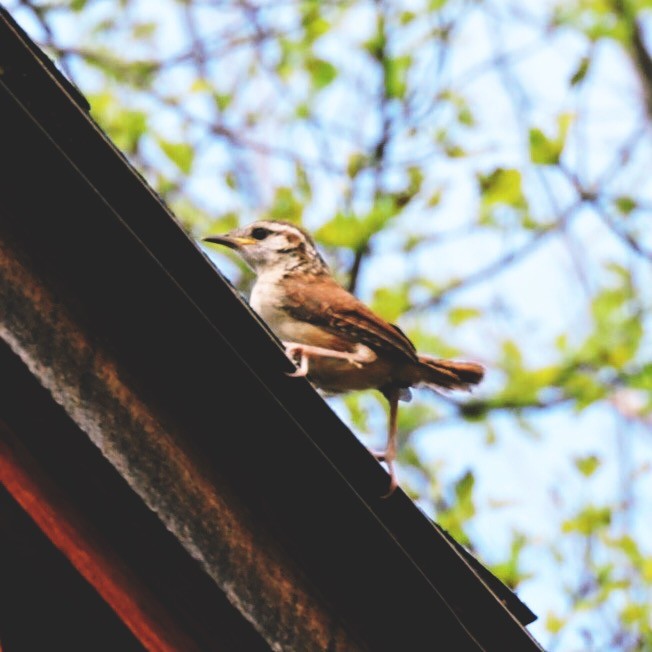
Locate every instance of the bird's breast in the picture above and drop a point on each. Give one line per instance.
(267, 300)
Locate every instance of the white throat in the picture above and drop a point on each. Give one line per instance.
(267, 293)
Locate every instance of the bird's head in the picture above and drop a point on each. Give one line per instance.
(270, 245)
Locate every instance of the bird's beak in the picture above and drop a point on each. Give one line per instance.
(232, 241)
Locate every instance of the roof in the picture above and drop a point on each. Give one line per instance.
(249, 502)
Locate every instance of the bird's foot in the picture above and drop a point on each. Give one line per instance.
(387, 456)
(292, 350)
(357, 358)
(393, 482)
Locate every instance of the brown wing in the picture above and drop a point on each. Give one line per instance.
(329, 306)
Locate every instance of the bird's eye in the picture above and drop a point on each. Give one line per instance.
(259, 233)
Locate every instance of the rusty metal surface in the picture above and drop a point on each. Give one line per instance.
(40, 586)
(78, 484)
(137, 606)
(204, 515)
(124, 321)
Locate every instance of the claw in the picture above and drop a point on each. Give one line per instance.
(299, 372)
(381, 456)
(393, 482)
(302, 370)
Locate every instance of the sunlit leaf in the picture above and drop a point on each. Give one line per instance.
(123, 125)
(625, 204)
(396, 72)
(391, 302)
(322, 73)
(588, 465)
(509, 570)
(545, 149)
(502, 186)
(580, 72)
(286, 206)
(554, 623)
(459, 315)
(590, 520)
(181, 154)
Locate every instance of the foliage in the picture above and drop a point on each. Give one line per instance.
(477, 171)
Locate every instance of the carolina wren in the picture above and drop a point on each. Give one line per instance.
(339, 343)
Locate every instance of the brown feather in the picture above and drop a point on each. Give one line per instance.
(449, 374)
(329, 306)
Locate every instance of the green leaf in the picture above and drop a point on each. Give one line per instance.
(543, 150)
(626, 204)
(502, 186)
(375, 46)
(414, 416)
(634, 613)
(222, 100)
(143, 30)
(285, 206)
(396, 71)
(200, 85)
(356, 164)
(461, 509)
(435, 199)
(303, 185)
(512, 358)
(315, 26)
(415, 176)
(590, 520)
(231, 180)
(581, 71)
(302, 110)
(584, 388)
(465, 116)
(547, 150)
(464, 488)
(415, 179)
(353, 232)
(509, 571)
(124, 126)
(391, 302)
(428, 342)
(344, 230)
(406, 17)
(588, 465)
(181, 154)
(642, 378)
(322, 73)
(629, 547)
(358, 412)
(554, 623)
(459, 315)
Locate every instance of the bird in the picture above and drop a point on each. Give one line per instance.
(331, 336)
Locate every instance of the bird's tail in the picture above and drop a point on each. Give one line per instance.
(448, 374)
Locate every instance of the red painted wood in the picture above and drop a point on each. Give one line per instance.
(151, 623)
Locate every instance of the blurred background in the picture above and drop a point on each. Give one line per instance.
(480, 172)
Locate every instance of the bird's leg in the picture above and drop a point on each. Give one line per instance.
(357, 358)
(389, 454)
